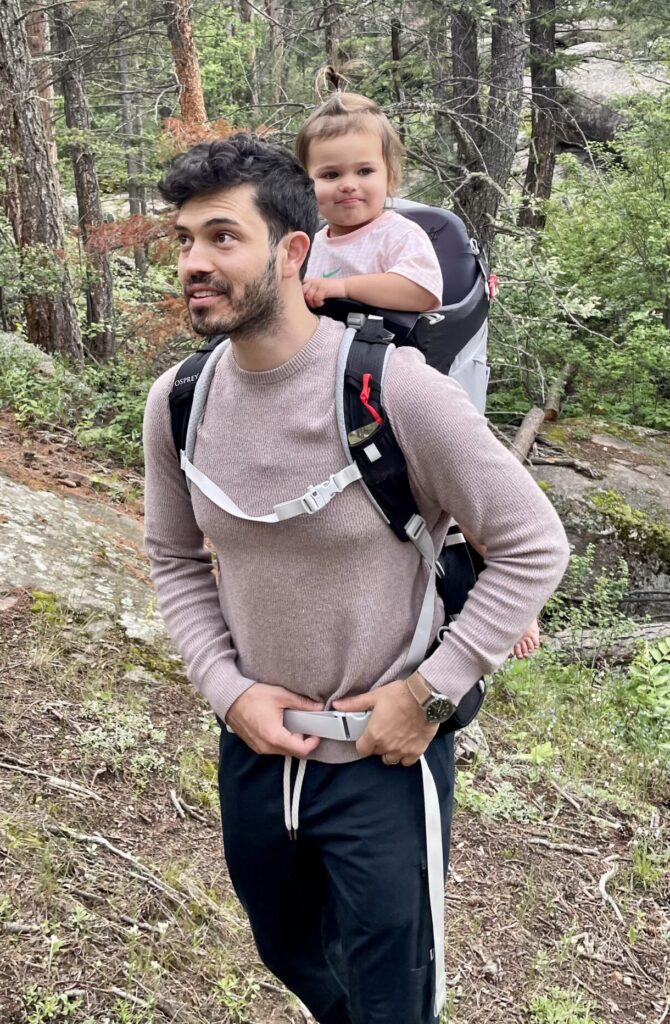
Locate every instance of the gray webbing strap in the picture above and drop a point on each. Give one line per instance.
(313, 500)
(200, 397)
(418, 533)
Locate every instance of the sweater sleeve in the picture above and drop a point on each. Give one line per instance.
(181, 565)
(457, 464)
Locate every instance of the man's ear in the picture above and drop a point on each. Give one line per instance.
(294, 248)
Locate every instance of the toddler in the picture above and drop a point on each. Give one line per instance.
(366, 252)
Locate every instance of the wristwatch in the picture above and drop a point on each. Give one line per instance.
(435, 706)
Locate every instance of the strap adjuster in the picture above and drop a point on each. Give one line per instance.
(415, 527)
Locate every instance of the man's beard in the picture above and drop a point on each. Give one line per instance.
(256, 310)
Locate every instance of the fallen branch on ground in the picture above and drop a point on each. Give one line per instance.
(53, 781)
(602, 887)
(536, 416)
(585, 851)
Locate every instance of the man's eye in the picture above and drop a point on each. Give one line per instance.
(223, 237)
(183, 241)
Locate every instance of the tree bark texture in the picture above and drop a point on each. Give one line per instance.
(39, 44)
(99, 288)
(187, 68)
(486, 144)
(545, 113)
(331, 30)
(132, 163)
(51, 316)
(276, 63)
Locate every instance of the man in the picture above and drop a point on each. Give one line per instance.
(331, 845)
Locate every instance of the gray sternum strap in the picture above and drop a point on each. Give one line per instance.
(417, 532)
(313, 500)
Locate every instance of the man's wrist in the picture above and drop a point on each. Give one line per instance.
(436, 707)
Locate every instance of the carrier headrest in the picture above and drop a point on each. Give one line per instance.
(451, 242)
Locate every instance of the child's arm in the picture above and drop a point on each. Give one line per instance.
(387, 291)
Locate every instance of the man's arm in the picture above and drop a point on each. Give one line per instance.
(456, 464)
(188, 598)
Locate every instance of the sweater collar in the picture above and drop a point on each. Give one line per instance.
(300, 361)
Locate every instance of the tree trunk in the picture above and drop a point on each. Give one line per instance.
(542, 155)
(9, 178)
(487, 149)
(396, 72)
(185, 54)
(134, 195)
(276, 64)
(331, 30)
(99, 289)
(466, 85)
(39, 44)
(51, 315)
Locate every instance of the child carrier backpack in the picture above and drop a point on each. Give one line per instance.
(454, 340)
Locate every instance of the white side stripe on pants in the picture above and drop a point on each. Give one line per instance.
(435, 859)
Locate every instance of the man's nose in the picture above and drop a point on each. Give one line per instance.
(197, 259)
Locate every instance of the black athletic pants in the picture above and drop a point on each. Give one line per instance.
(341, 913)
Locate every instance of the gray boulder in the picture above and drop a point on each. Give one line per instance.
(593, 89)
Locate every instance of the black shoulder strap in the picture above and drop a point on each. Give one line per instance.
(181, 392)
(372, 443)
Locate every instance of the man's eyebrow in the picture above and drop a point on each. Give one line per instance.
(210, 223)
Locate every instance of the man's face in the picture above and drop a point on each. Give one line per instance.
(227, 266)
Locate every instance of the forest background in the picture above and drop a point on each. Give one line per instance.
(567, 193)
(546, 126)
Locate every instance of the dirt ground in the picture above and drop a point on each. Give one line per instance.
(115, 907)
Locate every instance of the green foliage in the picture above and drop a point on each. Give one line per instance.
(647, 690)
(122, 738)
(596, 288)
(227, 47)
(503, 804)
(634, 526)
(561, 1007)
(589, 598)
(43, 1007)
(103, 405)
(578, 718)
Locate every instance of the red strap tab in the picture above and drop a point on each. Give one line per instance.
(493, 286)
(365, 398)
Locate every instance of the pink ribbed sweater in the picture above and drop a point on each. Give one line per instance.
(326, 604)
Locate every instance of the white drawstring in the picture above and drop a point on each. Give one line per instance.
(292, 807)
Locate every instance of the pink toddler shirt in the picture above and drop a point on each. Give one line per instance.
(390, 244)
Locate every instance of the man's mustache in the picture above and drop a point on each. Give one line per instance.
(216, 284)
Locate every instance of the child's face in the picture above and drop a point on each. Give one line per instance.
(350, 179)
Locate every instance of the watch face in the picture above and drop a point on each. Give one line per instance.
(439, 709)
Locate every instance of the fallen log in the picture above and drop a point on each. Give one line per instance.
(552, 407)
(617, 650)
(536, 416)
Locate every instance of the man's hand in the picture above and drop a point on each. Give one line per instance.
(317, 289)
(397, 727)
(257, 718)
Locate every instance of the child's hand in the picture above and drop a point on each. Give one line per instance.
(317, 289)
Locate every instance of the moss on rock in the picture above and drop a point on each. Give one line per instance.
(635, 527)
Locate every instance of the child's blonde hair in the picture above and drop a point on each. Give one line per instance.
(345, 112)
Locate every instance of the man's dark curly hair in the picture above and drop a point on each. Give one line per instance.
(284, 192)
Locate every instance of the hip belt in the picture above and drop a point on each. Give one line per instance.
(348, 726)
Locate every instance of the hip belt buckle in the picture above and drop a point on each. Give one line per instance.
(346, 726)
